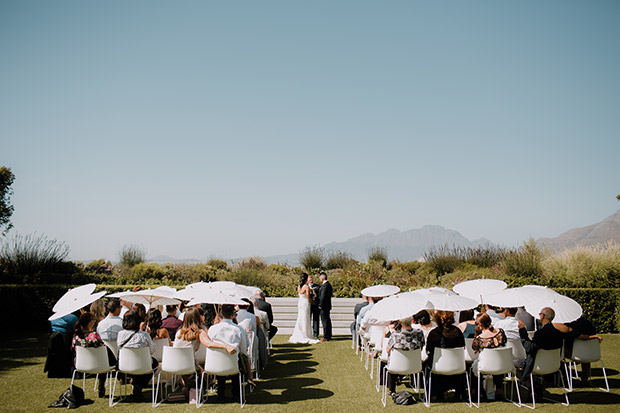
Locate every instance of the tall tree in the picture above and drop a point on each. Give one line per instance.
(6, 209)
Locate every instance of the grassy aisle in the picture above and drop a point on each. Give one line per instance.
(325, 377)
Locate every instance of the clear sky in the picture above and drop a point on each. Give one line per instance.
(237, 128)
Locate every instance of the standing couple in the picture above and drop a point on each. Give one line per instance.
(308, 297)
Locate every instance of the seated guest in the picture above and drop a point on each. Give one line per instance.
(229, 333)
(59, 362)
(356, 311)
(132, 337)
(140, 309)
(171, 322)
(467, 324)
(191, 334)
(580, 329)
(266, 307)
(405, 339)
(262, 333)
(86, 336)
(546, 338)
(445, 335)
(98, 309)
(507, 321)
(489, 337)
(154, 328)
(245, 317)
(109, 327)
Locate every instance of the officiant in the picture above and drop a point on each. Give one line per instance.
(314, 306)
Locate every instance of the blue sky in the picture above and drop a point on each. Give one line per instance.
(239, 128)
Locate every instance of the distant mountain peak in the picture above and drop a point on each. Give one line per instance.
(601, 232)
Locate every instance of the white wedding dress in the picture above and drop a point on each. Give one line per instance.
(303, 328)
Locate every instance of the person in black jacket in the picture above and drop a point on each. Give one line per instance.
(266, 307)
(314, 306)
(325, 306)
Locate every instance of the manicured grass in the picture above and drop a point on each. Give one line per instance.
(324, 377)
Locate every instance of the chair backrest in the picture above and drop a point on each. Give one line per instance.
(404, 361)
(376, 335)
(547, 361)
(518, 351)
(495, 360)
(134, 360)
(200, 354)
(92, 360)
(220, 363)
(449, 361)
(470, 355)
(178, 360)
(586, 351)
(112, 345)
(160, 343)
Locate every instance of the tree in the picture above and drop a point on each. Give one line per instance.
(618, 197)
(6, 209)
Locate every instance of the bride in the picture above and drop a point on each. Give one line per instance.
(303, 330)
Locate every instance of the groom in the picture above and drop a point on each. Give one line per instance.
(325, 306)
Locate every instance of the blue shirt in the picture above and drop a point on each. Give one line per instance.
(64, 324)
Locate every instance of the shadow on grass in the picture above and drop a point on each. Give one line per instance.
(284, 380)
(22, 350)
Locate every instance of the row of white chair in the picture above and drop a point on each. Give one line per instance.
(175, 360)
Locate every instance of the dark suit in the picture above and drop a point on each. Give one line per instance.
(325, 306)
(314, 308)
(356, 311)
(546, 338)
(266, 307)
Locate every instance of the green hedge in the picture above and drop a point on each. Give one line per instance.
(29, 306)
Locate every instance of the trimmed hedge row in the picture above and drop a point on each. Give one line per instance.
(29, 306)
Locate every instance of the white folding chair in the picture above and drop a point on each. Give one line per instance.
(160, 343)
(584, 351)
(136, 361)
(404, 363)
(546, 362)
(219, 363)
(374, 344)
(447, 362)
(93, 360)
(383, 357)
(178, 361)
(201, 354)
(470, 354)
(518, 351)
(495, 361)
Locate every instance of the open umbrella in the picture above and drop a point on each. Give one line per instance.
(444, 299)
(72, 294)
(519, 296)
(150, 297)
(398, 306)
(216, 297)
(229, 287)
(479, 289)
(381, 290)
(74, 304)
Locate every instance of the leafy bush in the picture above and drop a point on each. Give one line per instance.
(218, 264)
(378, 254)
(443, 260)
(250, 263)
(525, 264)
(339, 259)
(32, 256)
(131, 255)
(410, 267)
(312, 258)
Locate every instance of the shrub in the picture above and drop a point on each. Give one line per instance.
(312, 258)
(131, 255)
(443, 259)
(410, 267)
(524, 264)
(339, 259)
(218, 264)
(33, 255)
(378, 254)
(250, 263)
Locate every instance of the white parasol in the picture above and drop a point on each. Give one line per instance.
(216, 297)
(74, 304)
(150, 297)
(398, 306)
(77, 292)
(381, 290)
(519, 296)
(479, 289)
(197, 289)
(444, 299)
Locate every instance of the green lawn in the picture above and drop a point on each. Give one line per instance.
(324, 377)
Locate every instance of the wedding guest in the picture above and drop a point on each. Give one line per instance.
(404, 339)
(489, 337)
(171, 322)
(266, 307)
(132, 337)
(140, 309)
(467, 324)
(580, 329)
(154, 328)
(445, 335)
(109, 327)
(98, 309)
(59, 355)
(86, 336)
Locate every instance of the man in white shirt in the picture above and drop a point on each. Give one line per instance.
(246, 319)
(507, 321)
(109, 327)
(229, 333)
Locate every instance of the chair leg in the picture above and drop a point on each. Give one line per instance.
(564, 387)
(155, 392)
(478, 391)
(241, 391)
(430, 389)
(469, 390)
(604, 375)
(384, 395)
(73, 376)
(569, 375)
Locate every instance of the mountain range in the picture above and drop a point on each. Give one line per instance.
(410, 245)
